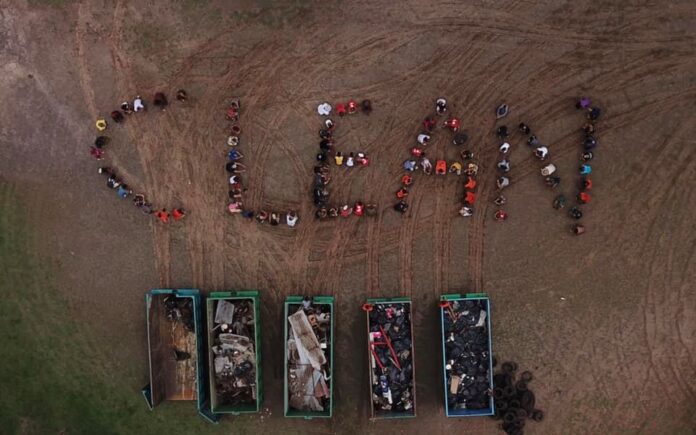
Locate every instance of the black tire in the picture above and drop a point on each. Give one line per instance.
(509, 367)
(521, 413)
(509, 391)
(501, 406)
(510, 417)
(514, 403)
(521, 386)
(526, 376)
(538, 415)
(497, 393)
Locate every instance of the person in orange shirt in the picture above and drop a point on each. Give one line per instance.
(470, 183)
(162, 215)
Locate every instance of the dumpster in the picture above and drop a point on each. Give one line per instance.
(234, 352)
(175, 348)
(391, 358)
(308, 385)
(466, 353)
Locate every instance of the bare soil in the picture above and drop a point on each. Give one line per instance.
(606, 321)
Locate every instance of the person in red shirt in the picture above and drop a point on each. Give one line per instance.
(470, 183)
(406, 180)
(453, 124)
(583, 198)
(178, 214)
(402, 193)
(469, 198)
(416, 152)
(346, 211)
(359, 209)
(500, 215)
(352, 106)
(162, 215)
(429, 124)
(341, 109)
(585, 183)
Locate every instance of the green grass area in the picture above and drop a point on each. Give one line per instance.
(52, 375)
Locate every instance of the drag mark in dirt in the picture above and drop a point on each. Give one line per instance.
(82, 68)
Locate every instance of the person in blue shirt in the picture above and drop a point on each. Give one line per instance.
(410, 165)
(235, 155)
(585, 169)
(124, 191)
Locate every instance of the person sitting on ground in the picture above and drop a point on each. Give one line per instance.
(235, 207)
(460, 138)
(594, 113)
(455, 168)
(117, 116)
(469, 198)
(160, 100)
(502, 111)
(126, 108)
(401, 206)
(453, 124)
(162, 215)
(350, 161)
(341, 109)
(524, 128)
(500, 200)
(138, 200)
(362, 159)
(232, 141)
(588, 128)
(346, 210)
(552, 181)
(235, 155)
(359, 209)
(559, 202)
(589, 143)
(577, 229)
(333, 212)
(466, 211)
(248, 214)
(181, 95)
(406, 180)
(416, 152)
(338, 158)
(321, 213)
(178, 213)
(532, 141)
(235, 167)
(500, 215)
(329, 124)
(423, 138)
(467, 155)
(504, 165)
(542, 152)
(325, 134)
(410, 165)
(584, 197)
(440, 167)
(326, 144)
(471, 169)
(402, 193)
(366, 106)
(470, 183)
(138, 104)
(440, 106)
(427, 166)
(101, 141)
(112, 182)
(502, 182)
(585, 169)
(504, 147)
(96, 153)
(124, 191)
(587, 156)
(234, 179)
(322, 156)
(585, 183)
(275, 218)
(429, 124)
(575, 213)
(235, 194)
(291, 218)
(262, 217)
(371, 209)
(583, 103)
(502, 132)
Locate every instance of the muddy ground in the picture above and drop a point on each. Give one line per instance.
(606, 321)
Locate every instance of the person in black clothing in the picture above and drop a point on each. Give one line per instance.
(160, 100)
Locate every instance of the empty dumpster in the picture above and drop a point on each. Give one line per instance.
(466, 352)
(175, 348)
(308, 385)
(391, 358)
(234, 352)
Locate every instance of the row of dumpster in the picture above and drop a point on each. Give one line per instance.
(212, 353)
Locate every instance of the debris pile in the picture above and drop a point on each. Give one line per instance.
(234, 336)
(179, 310)
(391, 358)
(514, 401)
(309, 368)
(467, 354)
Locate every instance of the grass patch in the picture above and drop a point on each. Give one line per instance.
(52, 375)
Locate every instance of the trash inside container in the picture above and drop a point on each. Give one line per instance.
(175, 348)
(466, 352)
(391, 358)
(234, 352)
(308, 385)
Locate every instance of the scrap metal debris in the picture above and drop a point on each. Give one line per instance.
(391, 358)
(467, 355)
(234, 352)
(309, 369)
(180, 310)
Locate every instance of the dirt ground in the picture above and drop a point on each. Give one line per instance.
(606, 321)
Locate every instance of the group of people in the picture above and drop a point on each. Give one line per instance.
(97, 150)
(328, 153)
(419, 160)
(503, 165)
(235, 168)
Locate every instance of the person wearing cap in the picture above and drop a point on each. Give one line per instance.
(542, 152)
(138, 104)
(291, 218)
(440, 106)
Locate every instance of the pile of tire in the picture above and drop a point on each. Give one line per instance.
(514, 401)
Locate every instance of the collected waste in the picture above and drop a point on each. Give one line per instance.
(514, 401)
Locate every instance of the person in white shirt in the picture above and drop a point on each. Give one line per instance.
(542, 152)
(138, 104)
(350, 161)
(426, 165)
(504, 148)
(423, 138)
(291, 218)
